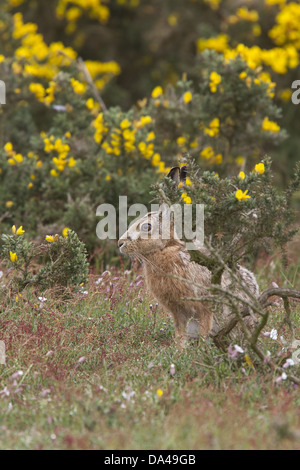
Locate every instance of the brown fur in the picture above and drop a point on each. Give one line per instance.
(166, 260)
(187, 315)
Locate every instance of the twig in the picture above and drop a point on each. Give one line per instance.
(279, 293)
(84, 69)
(80, 64)
(287, 317)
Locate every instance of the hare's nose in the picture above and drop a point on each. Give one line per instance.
(120, 243)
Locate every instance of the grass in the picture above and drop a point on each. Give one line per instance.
(83, 372)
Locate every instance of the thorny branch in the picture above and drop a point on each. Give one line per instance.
(216, 264)
(253, 304)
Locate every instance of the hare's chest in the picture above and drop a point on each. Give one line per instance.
(167, 286)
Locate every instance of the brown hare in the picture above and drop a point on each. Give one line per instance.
(167, 259)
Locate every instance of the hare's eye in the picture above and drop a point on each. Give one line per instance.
(146, 227)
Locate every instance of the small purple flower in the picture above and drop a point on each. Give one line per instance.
(289, 362)
(106, 273)
(232, 353)
(16, 375)
(5, 392)
(267, 358)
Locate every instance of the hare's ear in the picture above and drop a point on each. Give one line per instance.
(183, 173)
(178, 174)
(165, 213)
(165, 221)
(174, 174)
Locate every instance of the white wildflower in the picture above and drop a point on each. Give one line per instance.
(273, 334)
(289, 362)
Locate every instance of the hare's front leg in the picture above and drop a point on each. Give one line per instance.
(193, 329)
(186, 327)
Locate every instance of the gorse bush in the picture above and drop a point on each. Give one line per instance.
(244, 214)
(153, 43)
(60, 261)
(225, 119)
(65, 147)
(53, 169)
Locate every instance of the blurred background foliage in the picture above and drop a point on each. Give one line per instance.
(104, 96)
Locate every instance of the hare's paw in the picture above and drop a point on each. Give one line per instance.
(193, 330)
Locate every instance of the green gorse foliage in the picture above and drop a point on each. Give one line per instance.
(61, 261)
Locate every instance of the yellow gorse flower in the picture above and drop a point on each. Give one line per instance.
(242, 196)
(156, 159)
(186, 198)
(8, 147)
(13, 257)
(145, 120)
(125, 124)
(71, 162)
(207, 153)
(260, 168)
(248, 361)
(270, 126)
(49, 238)
(158, 91)
(150, 136)
(53, 173)
(218, 43)
(214, 128)
(240, 160)
(181, 141)
(187, 97)
(65, 232)
(18, 231)
(215, 80)
(147, 151)
(38, 90)
(78, 87)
